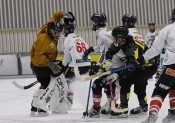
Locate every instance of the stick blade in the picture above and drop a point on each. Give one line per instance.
(17, 85)
(116, 109)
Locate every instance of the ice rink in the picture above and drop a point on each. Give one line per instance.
(15, 105)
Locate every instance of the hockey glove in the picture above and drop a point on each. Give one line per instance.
(94, 70)
(113, 77)
(163, 51)
(87, 52)
(108, 64)
(139, 61)
(55, 67)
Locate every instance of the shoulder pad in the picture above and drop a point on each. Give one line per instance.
(76, 36)
(136, 32)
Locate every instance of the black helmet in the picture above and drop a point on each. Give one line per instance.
(120, 33)
(98, 19)
(70, 27)
(130, 19)
(151, 23)
(54, 30)
(173, 15)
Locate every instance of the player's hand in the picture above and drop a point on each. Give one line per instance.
(139, 61)
(113, 77)
(87, 52)
(108, 64)
(94, 70)
(56, 67)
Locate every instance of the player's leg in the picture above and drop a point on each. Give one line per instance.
(97, 94)
(125, 85)
(164, 83)
(43, 77)
(171, 112)
(69, 75)
(59, 103)
(140, 91)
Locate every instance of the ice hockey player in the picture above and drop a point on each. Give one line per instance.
(104, 40)
(132, 48)
(150, 36)
(43, 63)
(74, 47)
(129, 21)
(149, 39)
(166, 82)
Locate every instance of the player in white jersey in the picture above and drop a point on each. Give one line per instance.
(74, 47)
(150, 36)
(104, 40)
(149, 39)
(129, 21)
(166, 82)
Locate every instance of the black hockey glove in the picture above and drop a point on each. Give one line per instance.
(139, 61)
(163, 51)
(87, 52)
(94, 70)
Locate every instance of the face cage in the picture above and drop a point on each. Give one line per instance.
(93, 25)
(57, 34)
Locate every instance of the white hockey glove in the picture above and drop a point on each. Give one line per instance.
(113, 77)
(108, 65)
(55, 67)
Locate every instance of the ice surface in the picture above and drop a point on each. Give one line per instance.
(15, 105)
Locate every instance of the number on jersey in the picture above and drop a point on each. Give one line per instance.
(80, 46)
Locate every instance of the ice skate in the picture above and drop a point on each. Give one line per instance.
(119, 115)
(170, 118)
(105, 109)
(94, 112)
(141, 110)
(151, 118)
(38, 112)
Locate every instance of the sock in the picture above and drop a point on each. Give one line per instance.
(155, 104)
(97, 99)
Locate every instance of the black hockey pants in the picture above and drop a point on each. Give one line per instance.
(165, 82)
(139, 79)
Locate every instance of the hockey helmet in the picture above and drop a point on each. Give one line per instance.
(120, 33)
(70, 27)
(98, 19)
(151, 23)
(130, 19)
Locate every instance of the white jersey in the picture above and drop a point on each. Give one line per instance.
(136, 34)
(104, 41)
(74, 47)
(149, 38)
(165, 38)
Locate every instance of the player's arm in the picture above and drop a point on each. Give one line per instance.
(111, 51)
(157, 46)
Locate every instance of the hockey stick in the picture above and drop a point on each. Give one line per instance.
(88, 99)
(115, 70)
(24, 87)
(112, 100)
